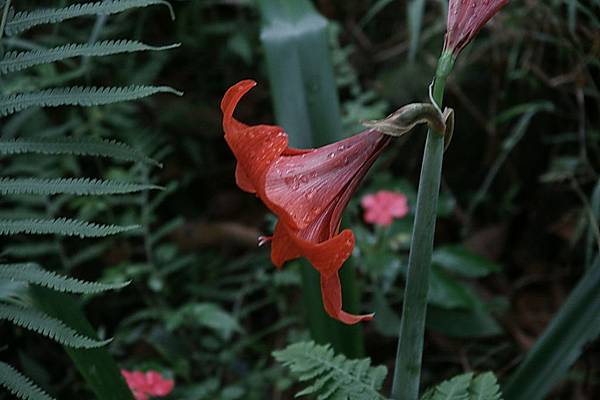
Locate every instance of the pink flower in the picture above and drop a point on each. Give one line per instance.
(147, 384)
(466, 18)
(382, 207)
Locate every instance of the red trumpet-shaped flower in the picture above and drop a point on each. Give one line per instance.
(306, 189)
(466, 18)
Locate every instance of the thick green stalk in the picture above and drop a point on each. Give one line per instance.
(407, 372)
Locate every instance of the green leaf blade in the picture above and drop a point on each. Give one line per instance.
(33, 274)
(19, 385)
(24, 20)
(61, 226)
(576, 323)
(73, 186)
(50, 327)
(80, 147)
(16, 61)
(78, 96)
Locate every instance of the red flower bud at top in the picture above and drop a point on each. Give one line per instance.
(306, 189)
(466, 18)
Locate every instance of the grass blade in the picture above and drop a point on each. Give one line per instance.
(576, 323)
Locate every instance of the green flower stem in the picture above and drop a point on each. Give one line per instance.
(407, 372)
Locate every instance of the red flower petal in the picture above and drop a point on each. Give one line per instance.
(327, 256)
(304, 185)
(332, 301)
(307, 190)
(242, 180)
(254, 147)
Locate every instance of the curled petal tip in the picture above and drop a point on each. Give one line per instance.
(234, 94)
(351, 319)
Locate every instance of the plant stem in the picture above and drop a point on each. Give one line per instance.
(407, 371)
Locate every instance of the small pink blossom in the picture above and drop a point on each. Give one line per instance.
(382, 207)
(466, 18)
(151, 383)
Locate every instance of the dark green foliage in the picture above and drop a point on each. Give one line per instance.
(20, 385)
(78, 147)
(96, 364)
(14, 61)
(576, 324)
(47, 326)
(75, 186)
(24, 20)
(206, 306)
(52, 314)
(61, 226)
(77, 96)
(466, 387)
(33, 274)
(334, 376)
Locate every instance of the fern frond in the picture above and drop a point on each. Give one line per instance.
(20, 385)
(16, 61)
(466, 387)
(456, 388)
(60, 226)
(335, 376)
(485, 387)
(48, 326)
(78, 96)
(78, 147)
(33, 273)
(76, 186)
(25, 20)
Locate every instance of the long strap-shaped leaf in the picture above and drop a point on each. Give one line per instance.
(296, 42)
(16, 61)
(33, 273)
(576, 323)
(43, 324)
(19, 385)
(78, 96)
(60, 226)
(76, 186)
(25, 20)
(96, 365)
(78, 147)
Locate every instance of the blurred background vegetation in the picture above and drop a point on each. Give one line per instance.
(518, 215)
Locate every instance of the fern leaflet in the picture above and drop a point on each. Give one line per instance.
(19, 385)
(16, 61)
(33, 273)
(466, 387)
(25, 20)
(78, 96)
(78, 147)
(76, 186)
(45, 325)
(485, 387)
(335, 376)
(61, 226)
